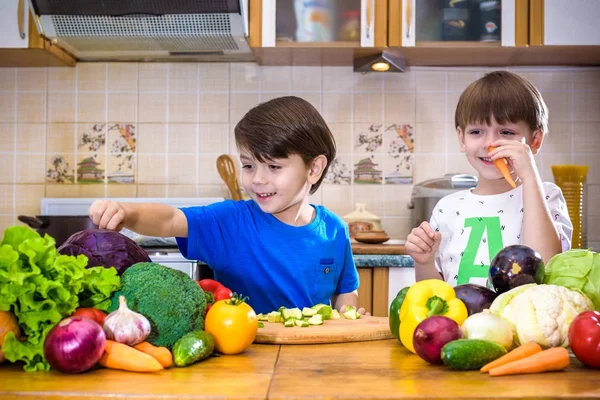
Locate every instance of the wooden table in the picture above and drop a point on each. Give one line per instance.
(380, 369)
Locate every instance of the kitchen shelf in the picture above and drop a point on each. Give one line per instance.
(458, 44)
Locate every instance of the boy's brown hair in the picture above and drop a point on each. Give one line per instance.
(284, 126)
(507, 97)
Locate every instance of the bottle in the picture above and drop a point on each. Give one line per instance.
(455, 20)
(489, 20)
(315, 20)
(350, 30)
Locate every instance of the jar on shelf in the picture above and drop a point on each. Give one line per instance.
(350, 29)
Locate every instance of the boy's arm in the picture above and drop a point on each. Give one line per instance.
(146, 219)
(427, 271)
(345, 299)
(539, 231)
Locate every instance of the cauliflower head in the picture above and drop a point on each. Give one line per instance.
(541, 313)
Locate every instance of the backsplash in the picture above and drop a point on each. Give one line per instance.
(156, 130)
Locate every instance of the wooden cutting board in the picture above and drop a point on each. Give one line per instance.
(383, 248)
(332, 331)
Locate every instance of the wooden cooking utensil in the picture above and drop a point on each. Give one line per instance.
(227, 170)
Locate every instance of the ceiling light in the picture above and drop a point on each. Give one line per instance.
(382, 62)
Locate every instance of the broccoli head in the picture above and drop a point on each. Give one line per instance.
(173, 303)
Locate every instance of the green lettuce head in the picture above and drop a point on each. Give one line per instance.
(577, 269)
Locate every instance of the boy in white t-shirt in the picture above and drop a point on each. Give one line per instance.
(468, 228)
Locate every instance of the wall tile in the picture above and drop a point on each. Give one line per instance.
(404, 82)
(183, 107)
(368, 107)
(7, 138)
(426, 169)
(368, 83)
(61, 138)
(31, 107)
(8, 107)
(91, 107)
(151, 190)
(586, 106)
(28, 199)
(545, 162)
(213, 138)
(183, 190)
(593, 194)
(31, 138)
(337, 107)
(91, 76)
(7, 221)
(152, 168)
(122, 107)
(396, 199)
(61, 107)
(31, 169)
(372, 196)
(152, 107)
(244, 77)
(152, 138)
(207, 170)
(62, 79)
(94, 191)
(213, 191)
(586, 80)
(399, 107)
(214, 77)
(396, 227)
(213, 107)
(306, 79)
(458, 163)
(457, 81)
(559, 139)
(153, 77)
(430, 137)
(183, 77)
(430, 107)
(7, 168)
(559, 106)
(240, 104)
(8, 79)
(121, 190)
(556, 81)
(314, 99)
(123, 77)
(342, 134)
(276, 79)
(586, 137)
(534, 77)
(593, 161)
(451, 104)
(7, 199)
(338, 198)
(31, 79)
(338, 79)
(182, 169)
(182, 138)
(430, 81)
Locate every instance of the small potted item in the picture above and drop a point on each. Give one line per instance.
(361, 220)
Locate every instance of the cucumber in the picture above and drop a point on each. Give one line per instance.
(466, 354)
(308, 312)
(294, 313)
(192, 347)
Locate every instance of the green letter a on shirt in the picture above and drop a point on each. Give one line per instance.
(467, 268)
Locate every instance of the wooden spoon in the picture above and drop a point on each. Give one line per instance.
(227, 170)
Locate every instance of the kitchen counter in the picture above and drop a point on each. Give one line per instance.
(389, 254)
(381, 369)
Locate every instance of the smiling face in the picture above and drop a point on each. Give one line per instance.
(281, 186)
(477, 138)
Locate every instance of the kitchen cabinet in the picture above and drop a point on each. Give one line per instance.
(324, 24)
(373, 290)
(458, 23)
(20, 43)
(565, 23)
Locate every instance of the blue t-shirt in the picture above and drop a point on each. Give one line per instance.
(275, 264)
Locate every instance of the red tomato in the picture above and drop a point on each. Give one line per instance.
(91, 313)
(584, 338)
(222, 293)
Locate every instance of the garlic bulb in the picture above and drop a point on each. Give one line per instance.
(126, 326)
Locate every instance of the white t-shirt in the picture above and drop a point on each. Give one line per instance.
(475, 228)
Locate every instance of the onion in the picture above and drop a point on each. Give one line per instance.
(487, 326)
(74, 345)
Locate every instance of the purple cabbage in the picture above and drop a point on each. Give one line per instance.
(104, 248)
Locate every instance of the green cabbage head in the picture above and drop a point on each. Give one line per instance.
(577, 269)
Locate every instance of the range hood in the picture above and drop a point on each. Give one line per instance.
(147, 30)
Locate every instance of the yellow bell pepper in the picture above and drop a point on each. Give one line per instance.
(425, 299)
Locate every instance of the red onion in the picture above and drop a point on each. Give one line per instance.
(74, 345)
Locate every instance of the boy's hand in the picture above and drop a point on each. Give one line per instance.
(519, 157)
(361, 310)
(422, 243)
(107, 214)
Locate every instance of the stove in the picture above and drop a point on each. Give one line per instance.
(160, 250)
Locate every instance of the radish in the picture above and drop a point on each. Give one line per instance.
(432, 334)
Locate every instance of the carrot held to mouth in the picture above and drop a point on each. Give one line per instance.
(502, 166)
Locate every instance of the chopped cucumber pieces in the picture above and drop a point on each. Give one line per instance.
(351, 313)
(309, 312)
(316, 320)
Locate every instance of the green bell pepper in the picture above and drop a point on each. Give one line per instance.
(394, 314)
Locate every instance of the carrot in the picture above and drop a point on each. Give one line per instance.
(120, 356)
(525, 350)
(553, 359)
(502, 166)
(162, 354)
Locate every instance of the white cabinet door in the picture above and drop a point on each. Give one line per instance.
(572, 22)
(14, 24)
(399, 278)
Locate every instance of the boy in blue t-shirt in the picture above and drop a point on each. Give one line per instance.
(275, 248)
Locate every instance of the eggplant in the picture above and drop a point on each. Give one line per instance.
(477, 298)
(514, 266)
